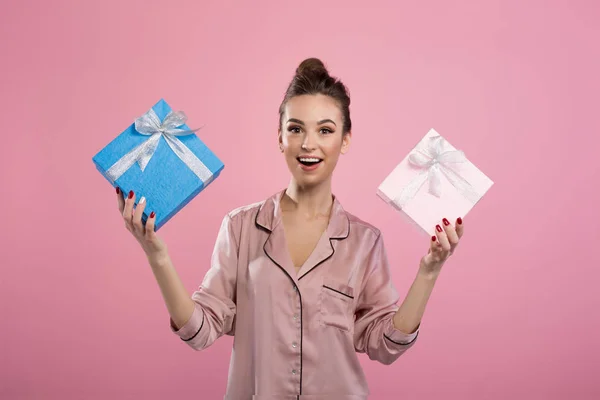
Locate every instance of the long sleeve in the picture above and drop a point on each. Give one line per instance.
(215, 302)
(374, 331)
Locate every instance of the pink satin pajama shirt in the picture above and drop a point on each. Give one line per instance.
(296, 335)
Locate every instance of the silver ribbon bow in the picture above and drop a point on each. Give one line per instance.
(149, 124)
(434, 161)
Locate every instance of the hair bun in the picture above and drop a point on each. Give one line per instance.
(312, 78)
(311, 66)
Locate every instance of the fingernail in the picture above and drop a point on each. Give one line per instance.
(118, 190)
(446, 222)
(152, 214)
(130, 194)
(459, 220)
(142, 200)
(433, 238)
(439, 228)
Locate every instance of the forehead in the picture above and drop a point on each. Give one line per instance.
(313, 108)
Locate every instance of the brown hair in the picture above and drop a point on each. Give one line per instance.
(313, 78)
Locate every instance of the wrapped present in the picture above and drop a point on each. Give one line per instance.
(434, 181)
(161, 158)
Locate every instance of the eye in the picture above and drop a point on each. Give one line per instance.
(294, 129)
(326, 131)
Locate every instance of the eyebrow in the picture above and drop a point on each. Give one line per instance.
(318, 123)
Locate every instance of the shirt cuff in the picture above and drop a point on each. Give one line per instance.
(191, 328)
(396, 336)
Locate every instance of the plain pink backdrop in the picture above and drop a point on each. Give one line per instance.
(512, 83)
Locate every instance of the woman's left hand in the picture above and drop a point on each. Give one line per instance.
(442, 246)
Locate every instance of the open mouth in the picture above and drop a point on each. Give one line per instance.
(309, 161)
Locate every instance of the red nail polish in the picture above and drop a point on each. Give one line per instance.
(130, 194)
(118, 190)
(459, 220)
(439, 228)
(152, 214)
(433, 238)
(446, 222)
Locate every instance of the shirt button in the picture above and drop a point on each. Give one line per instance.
(294, 345)
(295, 316)
(294, 372)
(295, 288)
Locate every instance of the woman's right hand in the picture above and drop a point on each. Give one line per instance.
(152, 245)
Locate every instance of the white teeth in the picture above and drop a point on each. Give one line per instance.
(310, 159)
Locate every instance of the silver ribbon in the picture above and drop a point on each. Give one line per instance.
(435, 162)
(149, 124)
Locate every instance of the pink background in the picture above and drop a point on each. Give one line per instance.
(514, 84)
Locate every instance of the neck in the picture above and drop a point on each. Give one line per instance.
(311, 201)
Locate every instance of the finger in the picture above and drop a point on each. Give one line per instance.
(150, 226)
(442, 238)
(460, 227)
(137, 215)
(434, 244)
(450, 232)
(128, 209)
(120, 200)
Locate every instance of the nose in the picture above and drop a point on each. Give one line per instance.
(308, 143)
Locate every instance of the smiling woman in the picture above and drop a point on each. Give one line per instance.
(302, 284)
(314, 124)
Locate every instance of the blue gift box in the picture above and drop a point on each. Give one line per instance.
(167, 181)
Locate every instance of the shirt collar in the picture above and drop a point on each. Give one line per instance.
(269, 216)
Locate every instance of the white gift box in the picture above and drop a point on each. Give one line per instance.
(434, 181)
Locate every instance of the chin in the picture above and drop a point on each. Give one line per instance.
(308, 178)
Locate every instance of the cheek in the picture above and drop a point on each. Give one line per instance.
(289, 151)
(332, 148)
(290, 140)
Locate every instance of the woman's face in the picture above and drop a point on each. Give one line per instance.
(311, 138)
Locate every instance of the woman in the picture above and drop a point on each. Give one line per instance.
(301, 284)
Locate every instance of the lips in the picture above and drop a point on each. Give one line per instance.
(309, 163)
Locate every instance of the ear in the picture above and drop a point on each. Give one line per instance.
(280, 139)
(346, 139)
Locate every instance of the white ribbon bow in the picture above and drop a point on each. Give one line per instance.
(149, 124)
(434, 161)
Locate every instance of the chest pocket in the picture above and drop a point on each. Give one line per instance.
(336, 305)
